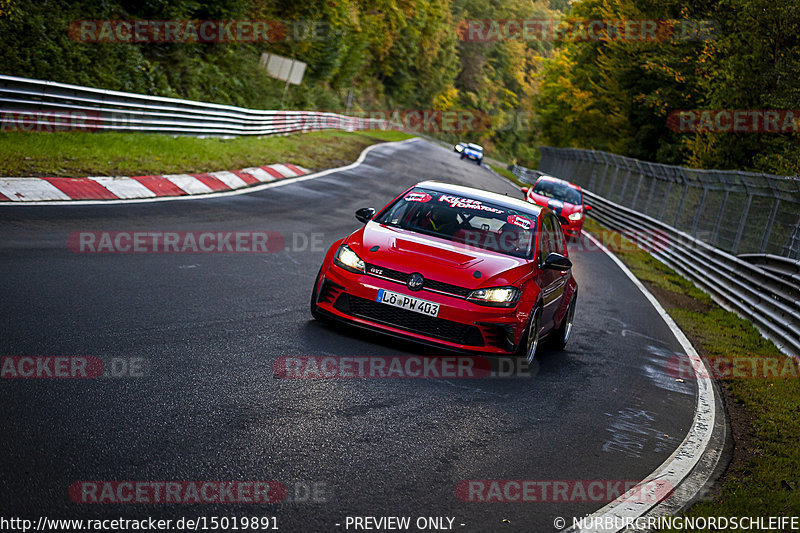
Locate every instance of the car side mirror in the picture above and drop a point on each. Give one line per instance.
(524, 190)
(556, 261)
(587, 207)
(365, 214)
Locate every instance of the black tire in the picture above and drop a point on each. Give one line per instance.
(528, 346)
(564, 331)
(479, 161)
(462, 155)
(314, 309)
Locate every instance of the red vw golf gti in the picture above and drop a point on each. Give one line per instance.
(456, 267)
(563, 197)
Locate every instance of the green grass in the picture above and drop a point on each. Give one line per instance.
(77, 154)
(508, 175)
(765, 413)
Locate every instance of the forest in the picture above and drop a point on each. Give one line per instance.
(571, 85)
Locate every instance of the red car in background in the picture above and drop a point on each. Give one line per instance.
(456, 267)
(564, 198)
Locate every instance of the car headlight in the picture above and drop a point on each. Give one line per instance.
(348, 259)
(495, 297)
(576, 215)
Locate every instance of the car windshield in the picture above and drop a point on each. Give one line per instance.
(558, 191)
(463, 220)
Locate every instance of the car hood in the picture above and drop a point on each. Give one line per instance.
(435, 258)
(558, 206)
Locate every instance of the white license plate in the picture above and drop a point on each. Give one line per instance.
(408, 302)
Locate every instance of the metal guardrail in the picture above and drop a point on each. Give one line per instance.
(770, 300)
(739, 212)
(36, 105)
(784, 267)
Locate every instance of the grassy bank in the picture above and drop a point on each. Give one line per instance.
(508, 175)
(78, 154)
(762, 479)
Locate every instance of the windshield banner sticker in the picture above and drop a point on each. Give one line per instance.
(467, 203)
(417, 197)
(522, 222)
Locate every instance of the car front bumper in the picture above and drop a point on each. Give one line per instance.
(460, 325)
(573, 229)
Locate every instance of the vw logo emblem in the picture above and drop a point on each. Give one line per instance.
(415, 281)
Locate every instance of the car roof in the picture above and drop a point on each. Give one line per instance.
(476, 146)
(480, 194)
(553, 179)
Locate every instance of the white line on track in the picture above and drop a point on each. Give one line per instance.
(687, 455)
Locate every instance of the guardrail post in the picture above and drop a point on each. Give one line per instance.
(653, 180)
(745, 213)
(683, 198)
(597, 166)
(611, 185)
(718, 222)
(770, 222)
(602, 182)
(792, 246)
(664, 203)
(606, 168)
(638, 186)
(670, 181)
(696, 219)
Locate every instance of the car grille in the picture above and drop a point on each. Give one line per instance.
(329, 292)
(435, 327)
(430, 285)
(498, 335)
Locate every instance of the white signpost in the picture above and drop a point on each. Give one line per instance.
(283, 68)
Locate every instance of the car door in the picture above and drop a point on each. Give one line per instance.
(560, 243)
(553, 282)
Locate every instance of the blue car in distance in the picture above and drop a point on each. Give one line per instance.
(473, 151)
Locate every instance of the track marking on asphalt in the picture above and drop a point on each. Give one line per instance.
(37, 189)
(248, 190)
(475, 389)
(124, 188)
(687, 455)
(188, 183)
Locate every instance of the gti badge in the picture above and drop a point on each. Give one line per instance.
(415, 281)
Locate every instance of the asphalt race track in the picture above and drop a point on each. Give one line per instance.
(206, 329)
